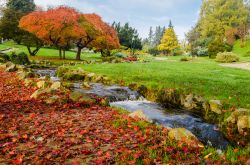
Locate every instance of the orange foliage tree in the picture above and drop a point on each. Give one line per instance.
(58, 27)
(64, 26)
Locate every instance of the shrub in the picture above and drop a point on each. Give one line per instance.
(178, 52)
(120, 55)
(201, 51)
(111, 59)
(21, 58)
(4, 58)
(215, 47)
(154, 51)
(247, 54)
(185, 59)
(226, 57)
(130, 59)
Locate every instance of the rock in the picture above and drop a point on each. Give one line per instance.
(11, 68)
(216, 106)
(68, 85)
(233, 118)
(98, 79)
(52, 100)
(56, 85)
(75, 75)
(23, 75)
(28, 82)
(140, 114)
(37, 94)
(86, 85)
(182, 134)
(91, 76)
(81, 97)
(41, 84)
(243, 122)
(188, 102)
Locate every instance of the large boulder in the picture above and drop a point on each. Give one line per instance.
(140, 114)
(184, 135)
(216, 106)
(75, 75)
(23, 74)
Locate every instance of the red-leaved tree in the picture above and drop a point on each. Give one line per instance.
(58, 27)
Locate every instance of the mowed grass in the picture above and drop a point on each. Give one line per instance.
(51, 53)
(201, 76)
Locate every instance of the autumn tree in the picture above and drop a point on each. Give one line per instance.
(169, 42)
(59, 26)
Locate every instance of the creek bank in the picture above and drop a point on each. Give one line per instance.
(120, 96)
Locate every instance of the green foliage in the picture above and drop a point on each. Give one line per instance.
(128, 36)
(120, 55)
(111, 59)
(202, 51)
(185, 59)
(169, 42)
(227, 57)
(154, 51)
(218, 15)
(215, 47)
(4, 58)
(21, 58)
(14, 11)
(247, 54)
(242, 51)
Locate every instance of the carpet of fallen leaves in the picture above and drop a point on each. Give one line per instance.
(32, 132)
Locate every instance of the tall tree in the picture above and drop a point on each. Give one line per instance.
(150, 36)
(169, 42)
(218, 15)
(13, 11)
(128, 36)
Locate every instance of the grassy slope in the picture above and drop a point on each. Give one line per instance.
(242, 51)
(51, 53)
(202, 76)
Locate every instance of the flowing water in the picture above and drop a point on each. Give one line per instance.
(130, 100)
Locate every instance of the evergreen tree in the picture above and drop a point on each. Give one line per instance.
(150, 36)
(169, 42)
(11, 14)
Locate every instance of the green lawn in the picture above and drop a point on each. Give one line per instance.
(201, 76)
(51, 53)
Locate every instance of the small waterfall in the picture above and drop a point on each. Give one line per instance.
(47, 72)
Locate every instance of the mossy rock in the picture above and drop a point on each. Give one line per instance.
(170, 98)
(61, 71)
(74, 75)
(81, 98)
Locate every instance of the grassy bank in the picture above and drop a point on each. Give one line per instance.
(201, 76)
(50, 53)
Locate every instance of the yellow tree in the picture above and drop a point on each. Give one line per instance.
(169, 41)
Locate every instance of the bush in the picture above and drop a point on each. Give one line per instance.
(185, 59)
(215, 47)
(21, 58)
(153, 51)
(4, 58)
(226, 57)
(247, 54)
(120, 55)
(201, 51)
(178, 52)
(111, 59)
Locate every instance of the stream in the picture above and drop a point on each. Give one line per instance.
(130, 100)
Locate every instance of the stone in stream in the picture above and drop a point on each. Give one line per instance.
(81, 97)
(140, 114)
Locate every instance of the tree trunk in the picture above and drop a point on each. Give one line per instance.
(60, 53)
(78, 55)
(63, 54)
(34, 52)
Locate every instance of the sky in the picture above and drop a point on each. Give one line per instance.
(141, 14)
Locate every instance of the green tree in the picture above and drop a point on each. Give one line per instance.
(11, 15)
(218, 15)
(128, 36)
(169, 42)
